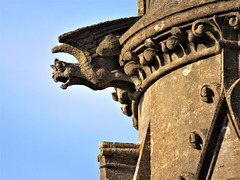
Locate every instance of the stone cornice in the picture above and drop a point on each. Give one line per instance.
(161, 19)
(161, 54)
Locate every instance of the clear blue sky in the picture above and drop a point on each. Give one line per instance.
(47, 133)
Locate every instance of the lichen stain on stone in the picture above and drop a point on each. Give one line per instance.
(152, 145)
(159, 26)
(163, 127)
(169, 126)
(179, 1)
(176, 153)
(187, 70)
(228, 131)
(169, 163)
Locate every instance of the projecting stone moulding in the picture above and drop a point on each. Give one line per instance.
(175, 69)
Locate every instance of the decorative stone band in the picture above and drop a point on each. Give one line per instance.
(161, 54)
(161, 19)
(169, 68)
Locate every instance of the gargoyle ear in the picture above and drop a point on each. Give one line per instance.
(56, 60)
(52, 66)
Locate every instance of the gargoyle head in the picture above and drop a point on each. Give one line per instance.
(61, 73)
(70, 74)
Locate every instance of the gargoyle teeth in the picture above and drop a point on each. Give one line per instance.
(66, 84)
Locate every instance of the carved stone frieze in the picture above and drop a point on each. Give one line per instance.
(180, 46)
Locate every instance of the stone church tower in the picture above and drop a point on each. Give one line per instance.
(176, 70)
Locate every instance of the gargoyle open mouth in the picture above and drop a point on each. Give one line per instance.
(65, 80)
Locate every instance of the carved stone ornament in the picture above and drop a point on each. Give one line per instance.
(131, 72)
(175, 69)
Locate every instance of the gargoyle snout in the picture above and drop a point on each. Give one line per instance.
(54, 77)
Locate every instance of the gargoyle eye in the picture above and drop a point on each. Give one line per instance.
(59, 67)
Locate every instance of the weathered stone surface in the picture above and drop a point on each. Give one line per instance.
(226, 160)
(175, 108)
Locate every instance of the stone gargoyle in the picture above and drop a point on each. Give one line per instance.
(97, 49)
(97, 72)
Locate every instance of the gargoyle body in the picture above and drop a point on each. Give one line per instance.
(97, 49)
(97, 69)
(99, 74)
